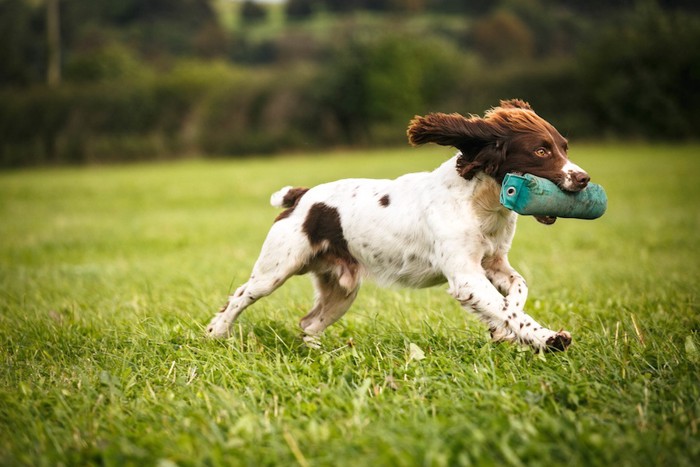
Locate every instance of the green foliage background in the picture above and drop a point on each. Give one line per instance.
(164, 79)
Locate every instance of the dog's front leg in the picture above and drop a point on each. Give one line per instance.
(512, 285)
(477, 293)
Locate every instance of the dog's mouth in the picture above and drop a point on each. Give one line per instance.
(546, 220)
(574, 181)
(569, 188)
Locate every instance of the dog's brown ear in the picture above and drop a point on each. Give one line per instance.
(466, 134)
(515, 104)
(479, 140)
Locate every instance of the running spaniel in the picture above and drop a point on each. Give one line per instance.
(420, 229)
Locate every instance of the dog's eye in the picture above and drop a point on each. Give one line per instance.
(541, 152)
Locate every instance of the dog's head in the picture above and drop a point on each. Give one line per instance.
(510, 138)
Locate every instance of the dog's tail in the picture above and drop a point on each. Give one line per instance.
(287, 197)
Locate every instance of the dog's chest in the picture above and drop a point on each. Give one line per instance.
(496, 224)
(496, 239)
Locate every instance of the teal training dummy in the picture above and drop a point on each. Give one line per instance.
(535, 196)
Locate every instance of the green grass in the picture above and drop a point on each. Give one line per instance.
(108, 276)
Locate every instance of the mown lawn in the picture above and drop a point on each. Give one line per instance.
(108, 276)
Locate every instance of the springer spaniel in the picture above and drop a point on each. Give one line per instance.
(419, 230)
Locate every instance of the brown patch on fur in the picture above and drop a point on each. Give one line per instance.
(322, 224)
(325, 232)
(491, 213)
(290, 201)
(384, 201)
(284, 214)
(486, 198)
(292, 197)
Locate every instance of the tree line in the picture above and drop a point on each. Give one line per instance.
(144, 79)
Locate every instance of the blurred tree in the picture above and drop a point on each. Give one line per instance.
(299, 9)
(371, 85)
(641, 74)
(252, 12)
(503, 36)
(211, 41)
(598, 8)
(378, 5)
(53, 41)
(127, 12)
(22, 44)
(689, 5)
(153, 27)
(295, 46)
(340, 6)
(104, 63)
(471, 7)
(412, 6)
(554, 33)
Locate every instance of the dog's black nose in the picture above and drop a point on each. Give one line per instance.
(581, 179)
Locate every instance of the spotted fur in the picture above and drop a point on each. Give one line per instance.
(419, 230)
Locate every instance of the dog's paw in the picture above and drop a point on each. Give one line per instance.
(218, 327)
(502, 335)
(312, 342)
(558, 342)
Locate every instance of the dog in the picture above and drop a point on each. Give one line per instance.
(419, 230)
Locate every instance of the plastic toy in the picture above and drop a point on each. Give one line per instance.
(534, 196)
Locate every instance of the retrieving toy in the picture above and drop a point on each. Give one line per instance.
(535, 196)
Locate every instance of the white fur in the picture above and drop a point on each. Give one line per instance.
(570, 169)
(277, 198)
(437, 228)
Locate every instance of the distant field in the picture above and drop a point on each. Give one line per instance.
(108, 276)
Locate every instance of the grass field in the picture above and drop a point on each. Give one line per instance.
(108, 276)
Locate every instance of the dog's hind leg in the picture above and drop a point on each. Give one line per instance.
(333, 298)
(285, 253)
